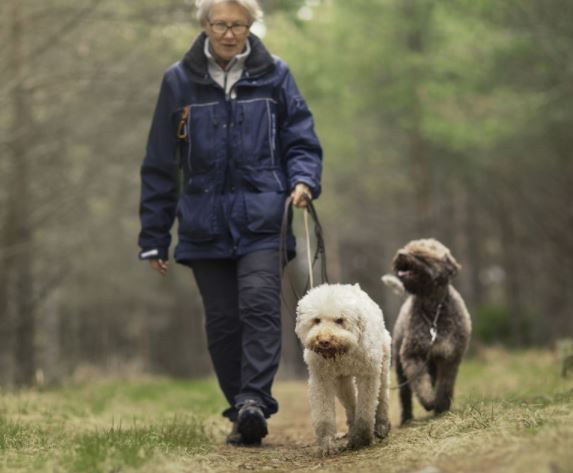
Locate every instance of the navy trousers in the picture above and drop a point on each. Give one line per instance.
(241, 298)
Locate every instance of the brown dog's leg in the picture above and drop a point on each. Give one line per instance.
(416, 371)
(405, 393)
(446, 380)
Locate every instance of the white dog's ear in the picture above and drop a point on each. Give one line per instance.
(297, 330)
(298, 319)
(360, 322)
(299, 327)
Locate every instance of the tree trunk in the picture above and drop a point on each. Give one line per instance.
(6, 330)
(18, 234)
(417, 16)
(512, 267)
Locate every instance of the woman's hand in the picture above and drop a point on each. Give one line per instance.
(159, 265)
(301, 195)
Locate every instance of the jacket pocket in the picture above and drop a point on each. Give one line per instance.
(256, 119)
(204, 127)
(264, 211)
(268, 179)
(201, 183)
(198, 216)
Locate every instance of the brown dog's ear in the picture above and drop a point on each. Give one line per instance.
(453, 265)
(399, 254)
(450, 267)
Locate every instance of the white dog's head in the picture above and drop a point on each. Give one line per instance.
(329, 319)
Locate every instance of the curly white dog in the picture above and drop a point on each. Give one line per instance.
(347, 349)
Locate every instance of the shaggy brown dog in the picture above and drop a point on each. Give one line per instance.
(433, 328)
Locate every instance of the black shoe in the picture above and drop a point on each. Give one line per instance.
(234, 437)
(251, 423)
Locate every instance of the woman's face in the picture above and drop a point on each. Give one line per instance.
(227, 42)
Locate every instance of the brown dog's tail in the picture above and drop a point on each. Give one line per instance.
(394, 283)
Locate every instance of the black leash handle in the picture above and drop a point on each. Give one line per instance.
(320, 245)
(320, 252)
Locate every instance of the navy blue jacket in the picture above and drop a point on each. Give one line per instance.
(228, 179)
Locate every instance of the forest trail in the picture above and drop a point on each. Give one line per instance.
(494, 427)
(290, 445)
(513, 413)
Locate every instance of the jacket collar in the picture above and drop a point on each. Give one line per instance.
(237, 61)
(258, 62)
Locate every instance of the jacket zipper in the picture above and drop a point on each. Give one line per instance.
(230, 162)
(188, 129)
(271, 125)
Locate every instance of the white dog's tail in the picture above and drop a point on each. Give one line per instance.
(394, 283)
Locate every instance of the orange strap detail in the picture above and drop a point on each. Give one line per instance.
(181, 130)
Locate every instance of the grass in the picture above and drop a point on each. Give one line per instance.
(513, 413)
(101, 451)
(105, 426)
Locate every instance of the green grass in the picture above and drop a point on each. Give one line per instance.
(512, 413)
(106, 425)
(98, 451)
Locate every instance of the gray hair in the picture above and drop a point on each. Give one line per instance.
(252, 7)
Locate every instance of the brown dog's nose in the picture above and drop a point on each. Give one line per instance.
(323, 343)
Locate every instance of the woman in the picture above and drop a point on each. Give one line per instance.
(230, 116)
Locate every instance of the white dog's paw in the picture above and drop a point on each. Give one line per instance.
(382, 428)
(360, 435)
(326, 446)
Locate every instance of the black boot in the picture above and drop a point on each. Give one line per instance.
(251, 423)
(234, 437)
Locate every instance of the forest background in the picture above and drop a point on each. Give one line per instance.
(451, 119)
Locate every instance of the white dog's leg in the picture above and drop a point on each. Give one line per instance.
(346, 392)
(362, 431)
(382, 424)
(322, 412)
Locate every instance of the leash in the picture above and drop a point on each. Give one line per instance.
(319, 253)
(307, 235)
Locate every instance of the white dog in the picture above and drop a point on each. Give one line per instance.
(347, 349)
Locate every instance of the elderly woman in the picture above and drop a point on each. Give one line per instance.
(231, 120)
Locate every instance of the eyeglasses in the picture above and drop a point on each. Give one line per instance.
(221, 28)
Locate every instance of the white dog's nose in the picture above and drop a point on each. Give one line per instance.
(323, 343)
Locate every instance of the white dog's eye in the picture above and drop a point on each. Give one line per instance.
(339, 321)
(316, 321)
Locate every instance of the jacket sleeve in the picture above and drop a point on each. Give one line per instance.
(159, 179)
(299, 144)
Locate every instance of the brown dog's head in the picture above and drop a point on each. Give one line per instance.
(423, 265)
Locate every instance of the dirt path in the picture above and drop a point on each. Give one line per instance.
(479, 436)
(290, 445)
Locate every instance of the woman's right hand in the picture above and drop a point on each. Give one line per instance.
(159, 265)
(301, 195)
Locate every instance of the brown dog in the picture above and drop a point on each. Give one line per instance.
(433, 328)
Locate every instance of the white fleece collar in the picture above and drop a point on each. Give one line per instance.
(227, 77)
